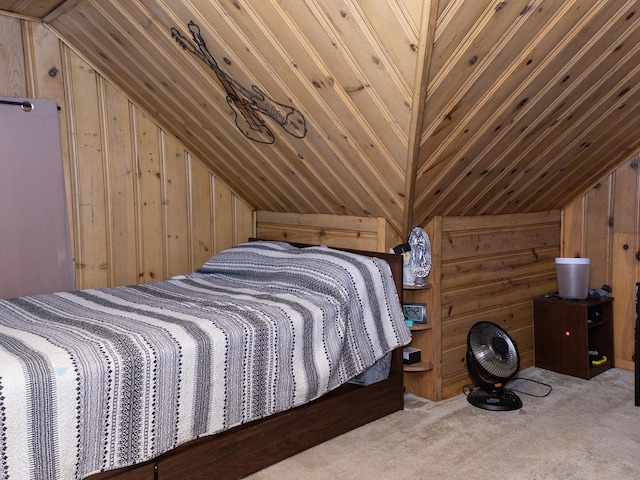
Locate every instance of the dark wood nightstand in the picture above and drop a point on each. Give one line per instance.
(566, 331)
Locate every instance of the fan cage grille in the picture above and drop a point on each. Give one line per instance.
(495, 353)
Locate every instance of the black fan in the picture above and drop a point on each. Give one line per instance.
(492, 360)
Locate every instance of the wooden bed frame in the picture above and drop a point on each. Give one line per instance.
(248, 448)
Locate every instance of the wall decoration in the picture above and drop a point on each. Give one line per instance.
(420, 256)
(246, 103)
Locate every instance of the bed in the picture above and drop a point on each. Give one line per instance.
(266, 350)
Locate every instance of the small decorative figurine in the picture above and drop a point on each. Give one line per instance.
(420, 256)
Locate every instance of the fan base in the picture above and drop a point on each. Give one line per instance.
(497, 400)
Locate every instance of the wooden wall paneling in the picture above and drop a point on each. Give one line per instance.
(30, 10)
(28, 50)
(490, 268)
(599, 224)
(397, 34)
(264, 166)
(521, 96)
(483, 61)
(590, 146)
(573, 228)
(85, 130)
(361, 49)
(576, 134)
(448, 39)
(346, 88)
(291, 165)
(150, 177)
(345, 231)
(157, 86)
(391, 236)
(479, 270)
(626, 259)
(351, 67)
(498, 222)
(491, 241)
(623, 315)
(245, 220)
(177, 208)
(427, 29)
(12, 74)
(140, 206)
(124, 228)
(434, 230)
(545, 77)
(586, 230)
(413, 11)
(224, 233)
(202, 205)
(504, 289)
(238, 227)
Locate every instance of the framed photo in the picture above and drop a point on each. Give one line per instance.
(415, 311)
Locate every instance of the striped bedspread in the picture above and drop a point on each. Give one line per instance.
(99, 379)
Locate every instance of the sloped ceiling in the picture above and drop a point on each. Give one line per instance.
(411, 108)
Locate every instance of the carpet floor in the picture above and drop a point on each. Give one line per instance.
(583, 429)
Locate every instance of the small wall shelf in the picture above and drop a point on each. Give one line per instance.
(419, 378)
(419, 367)
(417, 327)
(416, 287)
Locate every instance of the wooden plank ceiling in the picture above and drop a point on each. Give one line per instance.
(411, 108)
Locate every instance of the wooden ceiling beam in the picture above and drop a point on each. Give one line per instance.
(423, 67)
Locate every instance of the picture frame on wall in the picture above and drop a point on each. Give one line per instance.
(415, 312)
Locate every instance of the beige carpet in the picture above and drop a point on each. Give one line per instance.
(584, 429)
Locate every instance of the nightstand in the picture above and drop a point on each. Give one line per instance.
(567, 331)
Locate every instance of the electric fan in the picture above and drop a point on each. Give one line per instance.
(492, 359)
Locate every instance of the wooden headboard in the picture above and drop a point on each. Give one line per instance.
(337, 231)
